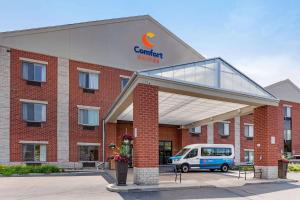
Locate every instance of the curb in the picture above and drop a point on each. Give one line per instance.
(53, 174)
(274, 182)
(114, 188)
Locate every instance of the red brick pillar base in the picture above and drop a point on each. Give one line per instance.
(146, 135)
(267, 140)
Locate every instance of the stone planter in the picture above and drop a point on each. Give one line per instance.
(121, 172)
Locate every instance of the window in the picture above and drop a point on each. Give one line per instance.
(287, 132)
(195, 130)
(224, 129)
(287, 135)
(88, 153)
(34, 152)
(249, 156)
(182, 152)
(88, 117)
(193, 153)
(249, 130)
(124, 81)
(215, 151)
(34, 72)
(34, 112)
(88, 80)
(287, 112)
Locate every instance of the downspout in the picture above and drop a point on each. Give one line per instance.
(103, 142)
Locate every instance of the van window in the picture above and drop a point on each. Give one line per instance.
(182, 151)
(215, 151)
(193, 153)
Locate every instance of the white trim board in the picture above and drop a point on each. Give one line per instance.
(34, 61)
(88, 70)
(33, 142)
(33, 101)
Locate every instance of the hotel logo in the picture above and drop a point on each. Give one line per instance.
(148, 54)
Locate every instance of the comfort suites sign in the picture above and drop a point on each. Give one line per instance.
(145, 50)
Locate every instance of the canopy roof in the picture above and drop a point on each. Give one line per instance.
(214, 73)
(195, 93)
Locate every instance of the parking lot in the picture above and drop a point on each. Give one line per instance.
(94, 187)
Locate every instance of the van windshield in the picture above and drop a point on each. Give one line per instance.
(182, 151)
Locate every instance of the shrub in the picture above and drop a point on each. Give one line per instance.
(23, 169)
(294, 167)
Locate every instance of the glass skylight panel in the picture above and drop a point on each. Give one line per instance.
(214, 73)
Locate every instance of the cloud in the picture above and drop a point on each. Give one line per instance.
(268, 69)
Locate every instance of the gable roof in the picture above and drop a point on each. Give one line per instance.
(285, 90)
(105, 42)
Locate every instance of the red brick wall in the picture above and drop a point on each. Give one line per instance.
(20, 90)
(145, 119)
(186, 138)
(109, 89)
(296, 128)
(170, 133)
(245, 142)
(166, 132)
(224, 140)
(266, 124)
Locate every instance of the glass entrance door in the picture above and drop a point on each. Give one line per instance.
(165, 151)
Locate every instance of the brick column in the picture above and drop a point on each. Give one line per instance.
(110, 137)
(146, 132)
(267, 140)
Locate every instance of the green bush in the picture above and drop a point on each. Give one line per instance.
(23, 169)
(294, 167)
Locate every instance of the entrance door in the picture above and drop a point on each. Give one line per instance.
(165, 151)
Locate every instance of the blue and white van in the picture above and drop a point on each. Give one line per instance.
(205, 156)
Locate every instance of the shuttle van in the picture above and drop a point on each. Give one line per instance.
(204, 156)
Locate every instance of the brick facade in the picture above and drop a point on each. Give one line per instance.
(109, 89)
(266, 120)
(145, 121)
(46, 92)
(246, 143)
(218, 139)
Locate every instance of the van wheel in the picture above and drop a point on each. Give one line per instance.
(224, 168)
(185, 168)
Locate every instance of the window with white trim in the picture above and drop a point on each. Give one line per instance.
(248, 130)
(249, 155)
(88, 153)
(124, 81)
(34, 112)
(34, 71)
(34, 152)
(88, 117)
(224, 129)
(195, 130)
(89, 80)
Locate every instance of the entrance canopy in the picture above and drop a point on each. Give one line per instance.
(195, 93)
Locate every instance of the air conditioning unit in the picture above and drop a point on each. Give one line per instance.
(195, 130)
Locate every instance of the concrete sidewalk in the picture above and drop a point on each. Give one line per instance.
(195, 180)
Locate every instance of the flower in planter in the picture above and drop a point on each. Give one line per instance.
(122, 154)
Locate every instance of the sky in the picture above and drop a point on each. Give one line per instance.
(260, 38)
